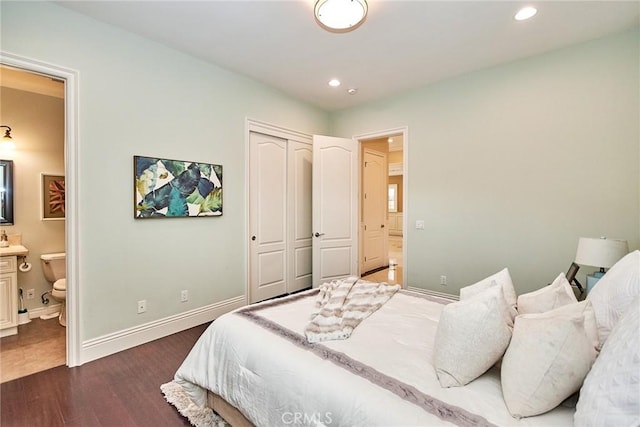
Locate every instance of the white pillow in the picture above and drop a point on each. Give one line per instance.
(548, 358)
(614, 292)
(555, 295)
(471, 337)
(610, 394)
(502, 278)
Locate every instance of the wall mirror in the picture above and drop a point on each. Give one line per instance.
(6, 192)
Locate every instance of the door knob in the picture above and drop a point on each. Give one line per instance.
(253, 237)
(381, 225)
(318, 234)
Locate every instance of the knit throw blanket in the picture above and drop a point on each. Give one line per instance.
(342, 304)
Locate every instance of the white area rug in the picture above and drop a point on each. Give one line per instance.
(197, 416)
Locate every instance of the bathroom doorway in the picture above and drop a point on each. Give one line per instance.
(35, 105)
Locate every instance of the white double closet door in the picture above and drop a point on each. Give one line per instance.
(280, 174)
(302, 211)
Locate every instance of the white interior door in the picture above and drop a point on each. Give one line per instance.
(335, 208)
(374, 210)
(300, 226)
(267, 212)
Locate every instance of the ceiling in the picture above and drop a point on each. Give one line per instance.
(401, 46)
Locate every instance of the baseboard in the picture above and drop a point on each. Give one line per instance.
(42, 311)
(434, 293)
(105, 345)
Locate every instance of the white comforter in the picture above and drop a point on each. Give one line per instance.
(276, 382)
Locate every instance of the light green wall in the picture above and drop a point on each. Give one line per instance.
(137, 97)
(509, 166)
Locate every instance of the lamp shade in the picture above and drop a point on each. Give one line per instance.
(600, 252)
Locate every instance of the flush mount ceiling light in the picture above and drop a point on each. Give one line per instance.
(334, 83)
(340, 16)
(525, 13)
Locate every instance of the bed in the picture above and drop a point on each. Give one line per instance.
(254, 366)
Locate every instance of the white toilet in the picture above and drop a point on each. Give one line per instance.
(54, 267)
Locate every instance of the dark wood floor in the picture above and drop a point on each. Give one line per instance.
(119, 390)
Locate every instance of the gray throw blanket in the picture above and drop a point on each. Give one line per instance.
(342, 304)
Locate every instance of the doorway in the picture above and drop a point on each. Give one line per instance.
(33, 106)
(68, 78)
(388, 186)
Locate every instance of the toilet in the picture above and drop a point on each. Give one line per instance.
(54, 267)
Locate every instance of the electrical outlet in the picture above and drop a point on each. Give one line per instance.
(31, 293)
(420, 224)
(142, 306)
(443, 280)
(184, 296)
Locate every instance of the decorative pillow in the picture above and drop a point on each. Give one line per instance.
(614, 292)
(502, 278)
(610, 394)
(555, 295)
(549, 356)
(471, 337)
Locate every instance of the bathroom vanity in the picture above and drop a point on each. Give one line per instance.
(9, 288)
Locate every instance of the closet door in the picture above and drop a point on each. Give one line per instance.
(300, 186)
(268, 216)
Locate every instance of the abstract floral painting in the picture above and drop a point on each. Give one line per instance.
(53, 198)
(174, 188)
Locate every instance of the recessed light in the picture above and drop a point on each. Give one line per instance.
(525, 13)
(334, 82)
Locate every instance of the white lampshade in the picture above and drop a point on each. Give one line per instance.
(340, 15)
(600, 252)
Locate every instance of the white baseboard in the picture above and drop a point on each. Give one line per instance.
(105, 345)
(434, 293)
(41, 311)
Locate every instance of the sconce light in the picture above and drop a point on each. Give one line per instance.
(340, 16)
(7, 141)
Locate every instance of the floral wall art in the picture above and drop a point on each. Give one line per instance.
(53, 198)
(174, 188)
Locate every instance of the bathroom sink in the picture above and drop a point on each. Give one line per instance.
(14, 250)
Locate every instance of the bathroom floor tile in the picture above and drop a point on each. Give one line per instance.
(38, 346)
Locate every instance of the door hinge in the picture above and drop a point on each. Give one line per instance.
(365, 228)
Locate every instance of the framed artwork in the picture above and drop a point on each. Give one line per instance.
(52, 197)
(166, 188)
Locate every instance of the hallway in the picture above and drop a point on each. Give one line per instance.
(392, 274)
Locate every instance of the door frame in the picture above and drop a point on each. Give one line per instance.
(404, 131)
(72, 233)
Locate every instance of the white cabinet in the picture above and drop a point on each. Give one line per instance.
(395, 223)
(395, 169)
(8, 296)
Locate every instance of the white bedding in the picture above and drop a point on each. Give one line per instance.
(276, 381)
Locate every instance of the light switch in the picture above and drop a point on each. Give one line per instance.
(420, 224)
